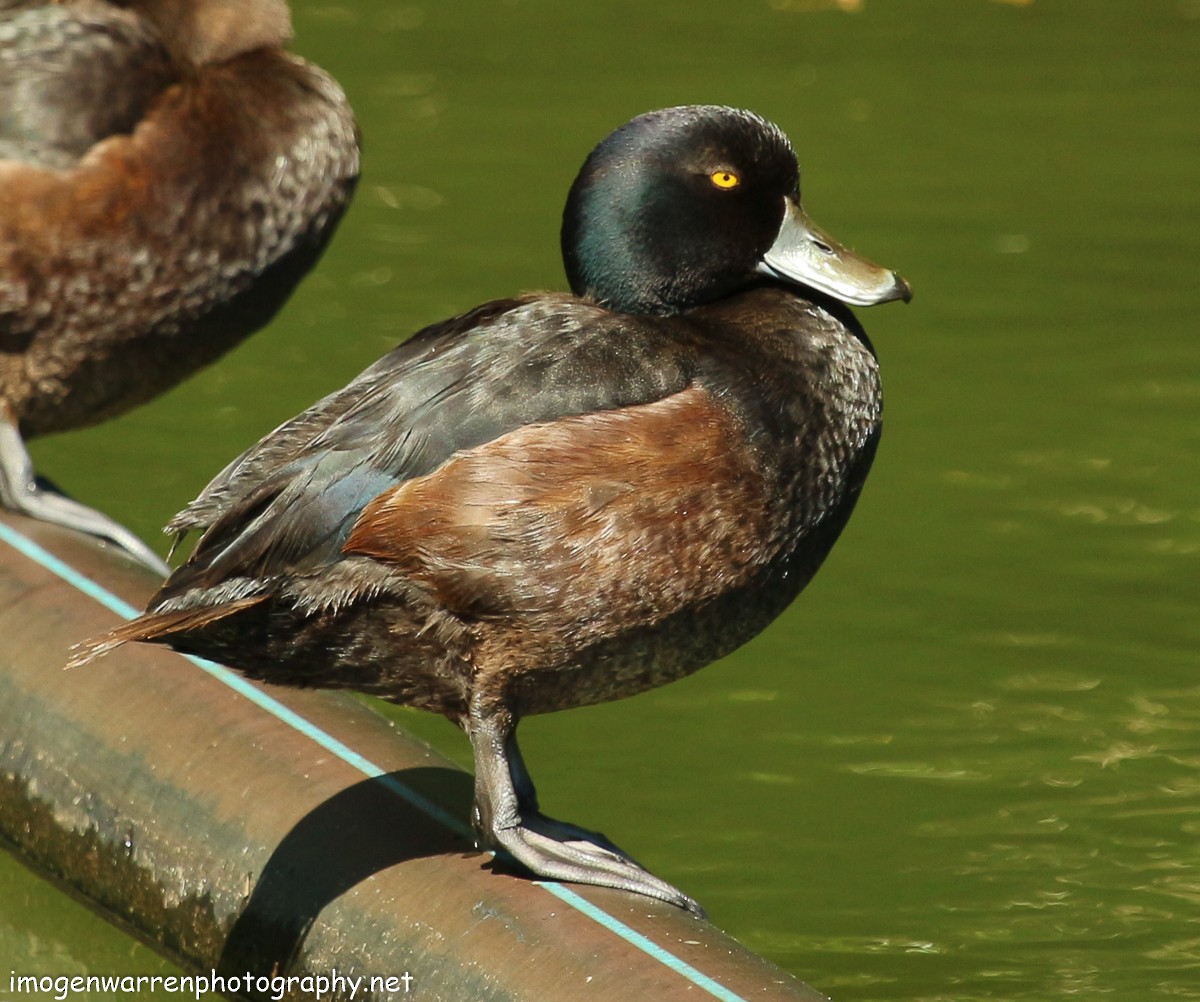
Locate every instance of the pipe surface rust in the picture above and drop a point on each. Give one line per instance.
(249, 829)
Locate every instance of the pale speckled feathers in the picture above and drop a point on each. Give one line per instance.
(170, 227)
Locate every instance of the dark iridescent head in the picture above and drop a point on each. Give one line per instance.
(686, 205)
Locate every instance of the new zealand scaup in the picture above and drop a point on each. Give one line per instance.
(556, 500)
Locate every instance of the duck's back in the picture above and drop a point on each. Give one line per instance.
(154, 210)
(73, 75)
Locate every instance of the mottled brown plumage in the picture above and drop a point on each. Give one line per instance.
(168, 173)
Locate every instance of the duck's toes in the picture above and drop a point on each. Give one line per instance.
(21, 492)
(560, 851)
(48, 506)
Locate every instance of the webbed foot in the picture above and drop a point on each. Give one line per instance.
(554, 850)
(507, 819)
(21, 492)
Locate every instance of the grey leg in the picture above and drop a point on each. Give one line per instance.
(20, 492)
(506, 818)
(527, 803)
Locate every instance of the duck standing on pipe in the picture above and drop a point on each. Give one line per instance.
(556, 500)
(168, 173)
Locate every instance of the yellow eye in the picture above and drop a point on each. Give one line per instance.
(724, 179)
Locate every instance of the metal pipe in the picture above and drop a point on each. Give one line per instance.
(252, 832)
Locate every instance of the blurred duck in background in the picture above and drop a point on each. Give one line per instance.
(168, 174)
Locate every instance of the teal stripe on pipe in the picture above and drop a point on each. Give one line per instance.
(647, 946)
(39, 555)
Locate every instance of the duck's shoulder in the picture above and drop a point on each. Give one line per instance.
(512, 362)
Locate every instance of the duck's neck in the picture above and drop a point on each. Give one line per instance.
(606, 261)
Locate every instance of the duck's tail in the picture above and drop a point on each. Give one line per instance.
(156, 627)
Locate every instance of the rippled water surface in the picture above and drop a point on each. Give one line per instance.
(966, 764)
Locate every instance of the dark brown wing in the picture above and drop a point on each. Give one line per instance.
(397, 390)
(290, 502)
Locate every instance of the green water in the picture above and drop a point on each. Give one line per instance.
(966, 765)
